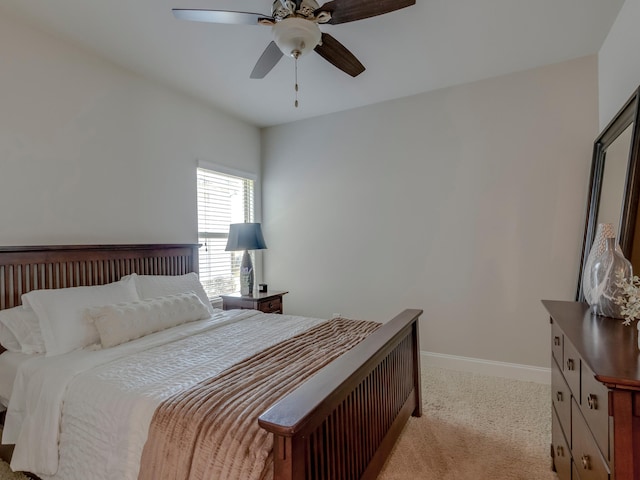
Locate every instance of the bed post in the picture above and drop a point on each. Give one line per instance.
(417, 370)
(287, 453)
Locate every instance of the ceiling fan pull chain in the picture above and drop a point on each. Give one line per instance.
(296, 67)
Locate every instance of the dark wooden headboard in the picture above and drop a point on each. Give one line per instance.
(23, 269)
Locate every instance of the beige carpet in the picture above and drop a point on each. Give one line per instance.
(7, 474)
(473, 428)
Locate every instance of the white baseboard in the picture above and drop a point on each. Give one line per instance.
(514, 371)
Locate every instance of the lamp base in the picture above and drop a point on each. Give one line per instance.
(246, 274)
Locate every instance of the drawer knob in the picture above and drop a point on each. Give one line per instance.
(586, 462)
(559, 396)
(556, 341)
(270, 305)
(570, 364)
(592, 401)
(559, 451)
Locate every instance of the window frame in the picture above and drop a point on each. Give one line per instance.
(225, 170)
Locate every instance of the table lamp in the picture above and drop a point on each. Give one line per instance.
(245, 236)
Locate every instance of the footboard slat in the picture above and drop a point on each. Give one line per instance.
(344, 421)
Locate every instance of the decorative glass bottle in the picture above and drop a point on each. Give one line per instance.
(603, 231)
(606, 271)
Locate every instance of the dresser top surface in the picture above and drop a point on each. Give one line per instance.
(605, 344)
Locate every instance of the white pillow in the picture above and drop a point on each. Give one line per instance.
(152, 286)
(22, 324)
(122, 322)
(61, 313)
(8, 340)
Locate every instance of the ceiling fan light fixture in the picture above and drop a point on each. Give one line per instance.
(296, 36)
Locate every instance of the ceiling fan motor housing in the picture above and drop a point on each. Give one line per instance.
(282, 9)
(296, 36)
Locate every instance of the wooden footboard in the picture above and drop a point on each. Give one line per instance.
(343, 422)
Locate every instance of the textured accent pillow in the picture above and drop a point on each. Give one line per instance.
(152, 286)
(123, 322)
(21, 324)
(61, 313)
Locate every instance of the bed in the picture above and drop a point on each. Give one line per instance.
(341, 422)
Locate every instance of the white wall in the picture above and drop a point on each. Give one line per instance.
(91, 153)
(467, 202)
(619, 62)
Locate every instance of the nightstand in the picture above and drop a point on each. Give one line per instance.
(267, 302)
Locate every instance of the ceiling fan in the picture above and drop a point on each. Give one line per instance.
(295, 28)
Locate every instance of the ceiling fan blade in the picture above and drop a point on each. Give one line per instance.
(269, 58)
(343, 11)
(334, 52)
(220, 16)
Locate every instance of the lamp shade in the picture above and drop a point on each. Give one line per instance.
(245, 236)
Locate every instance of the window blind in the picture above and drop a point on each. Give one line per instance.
(222, 199)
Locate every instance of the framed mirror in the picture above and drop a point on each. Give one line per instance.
(615, 185)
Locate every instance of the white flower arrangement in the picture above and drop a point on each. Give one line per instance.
(630, 301)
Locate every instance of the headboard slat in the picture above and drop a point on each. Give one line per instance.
(23, 269)
(15, 282)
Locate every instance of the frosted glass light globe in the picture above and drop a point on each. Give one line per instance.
(296, 36)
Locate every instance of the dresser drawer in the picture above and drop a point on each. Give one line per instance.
(557, 338)
(273, 305)
(561, 398)
(561, 452)
(574, 471)
(590, 463)
(595, 408)
(571, 368)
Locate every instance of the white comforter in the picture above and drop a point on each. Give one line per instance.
(85, 415)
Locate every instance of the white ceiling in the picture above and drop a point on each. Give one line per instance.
(433, 44)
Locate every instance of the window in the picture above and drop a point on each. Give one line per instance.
(222, 199)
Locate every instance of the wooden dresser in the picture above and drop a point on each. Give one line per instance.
(267, 302)
(595, 390)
